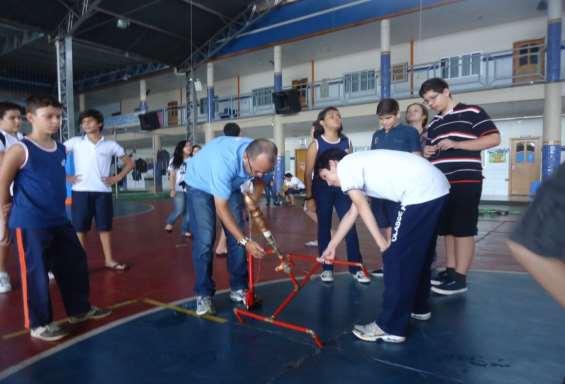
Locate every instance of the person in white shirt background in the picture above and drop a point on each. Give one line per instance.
(176, 170)
(10, 124)
(92, 182)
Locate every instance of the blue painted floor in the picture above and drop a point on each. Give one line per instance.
(505, 330)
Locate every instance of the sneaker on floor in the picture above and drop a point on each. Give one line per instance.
(311, 243)
(50, 275)
(204, 306)
(372, 332)
(94, 313)
(440, 277)
(238, 296)
(361, 277)
(49, 332)
(451, 287)
(421, 316)
(5, 285)
(327, 276)
(377, 272)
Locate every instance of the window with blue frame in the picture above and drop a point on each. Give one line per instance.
(460, 66)
(359, 82)
(263, 96)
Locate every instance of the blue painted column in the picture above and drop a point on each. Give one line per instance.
(385, 59)
(551, 157)
(209, 133)
(277, 122)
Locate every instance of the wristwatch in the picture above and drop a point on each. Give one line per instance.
(243, 241)
(308, 198)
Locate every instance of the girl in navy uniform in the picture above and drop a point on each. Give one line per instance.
(321, 198)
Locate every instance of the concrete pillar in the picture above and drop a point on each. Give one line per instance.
(209, 133)
(143, 107)
(278, 131)
(385, 59)
(551, 157)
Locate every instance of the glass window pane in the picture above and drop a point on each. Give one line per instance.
(465, 65)
(371, 82)
(444, 68)
(454, 67)
(363, 86)
(355, 82)
(475, 63)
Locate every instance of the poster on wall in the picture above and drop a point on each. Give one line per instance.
(497, 156)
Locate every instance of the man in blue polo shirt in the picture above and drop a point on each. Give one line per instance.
(397, 137)
(214, 178)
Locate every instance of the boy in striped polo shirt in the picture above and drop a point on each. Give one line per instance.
(456, 137)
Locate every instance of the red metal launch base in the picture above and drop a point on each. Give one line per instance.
(252, 301)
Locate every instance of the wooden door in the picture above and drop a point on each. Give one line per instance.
(528, 62)
(525, 164)
(300, 163)
(301, 85)
(173, 113)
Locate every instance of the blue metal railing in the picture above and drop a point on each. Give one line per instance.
(495, 70)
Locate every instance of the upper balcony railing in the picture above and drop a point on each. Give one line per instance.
(469, 72)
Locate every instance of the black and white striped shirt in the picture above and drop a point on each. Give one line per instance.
(464, 122)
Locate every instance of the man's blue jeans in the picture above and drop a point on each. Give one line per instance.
(202, 213)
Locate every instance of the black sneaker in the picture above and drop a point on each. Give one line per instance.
(451, 287)
(440, 278)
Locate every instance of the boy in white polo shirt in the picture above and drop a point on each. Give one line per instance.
(421, 190)
(10, 124)
(92, 182)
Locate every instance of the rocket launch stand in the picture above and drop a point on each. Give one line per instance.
(286, 266)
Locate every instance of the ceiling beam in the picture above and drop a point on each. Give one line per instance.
(76, 17)
(195, 4)
(17, 39)
(140, 23)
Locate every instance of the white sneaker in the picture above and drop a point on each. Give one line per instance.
(238, 296)
(421, 316)
(372, 332)
(311, 243)
(204, 306)
(361, 277)
(49, 332)
(5, 285)
(51, 275)
(327, 276)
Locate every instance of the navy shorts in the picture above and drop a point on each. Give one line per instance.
(541, 228)
(385, 211)
(89, 205)
(460, 213)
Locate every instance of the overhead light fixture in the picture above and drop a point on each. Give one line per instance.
(122, 23)
(542, 5)
(198, 85)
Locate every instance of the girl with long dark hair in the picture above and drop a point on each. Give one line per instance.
(176, 170)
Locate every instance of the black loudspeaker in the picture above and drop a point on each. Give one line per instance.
(149, 121)
(287, 101)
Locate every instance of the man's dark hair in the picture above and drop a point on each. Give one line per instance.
(387, 107)
(232, 129)
(35, 102)
(6, 106)
(323, 161)
(259, 146)
(95, 114)
(288, 174)
(434, 84)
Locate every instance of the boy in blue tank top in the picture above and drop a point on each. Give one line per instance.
(44, 235)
